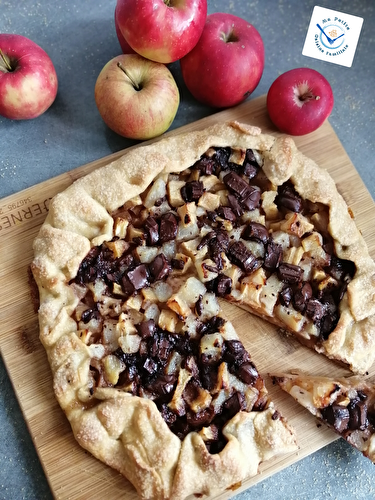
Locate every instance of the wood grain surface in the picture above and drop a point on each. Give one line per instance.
(72, 472)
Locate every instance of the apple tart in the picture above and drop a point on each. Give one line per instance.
(131, 265)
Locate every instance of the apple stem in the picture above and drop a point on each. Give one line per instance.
(308, 96)
(6, 62)
(134, 83)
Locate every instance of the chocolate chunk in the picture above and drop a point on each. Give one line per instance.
(302, 294)
(160, 267)
(248, 373)
(201, 418)
(206, 239)
(289, 198)
(138, 277)
(315, 310)
(235, 353)
(222, 240)
(226, 213)
(236, 184)
(192, 191)
(341, 269)
(146, 328)
(223, 285)
(199, 305)
(358, 414)
(206, 165)
(272, 256)
(152, 231)
(251, 198)
(150, 366)
(255, 231)
(250, 166)
(222, 156)
(337, 416)
(286, 295)
(168, 227)
(242, 257)
(235, 404)
(178, 264)
(235, 205)
(289, 273)
(162, 384)
(167, 414)
(90, 314)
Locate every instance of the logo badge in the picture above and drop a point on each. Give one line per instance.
(332, 36)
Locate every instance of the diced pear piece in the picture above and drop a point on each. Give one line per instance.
(174, 193)
(293, 319)
(157, 191)
(269, 293)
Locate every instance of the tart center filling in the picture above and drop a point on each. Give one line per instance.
(148, 296)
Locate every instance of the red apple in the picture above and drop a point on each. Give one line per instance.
(227, 63)
(161, 30)
(28, 80)
(137, 98)
(299, 101)
(125, 47)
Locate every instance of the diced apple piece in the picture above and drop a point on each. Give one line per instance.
(177, 403)
(256, 248)
(156, 192)
(174, 193)
(205, 269)
(327, 283)
(168, 320)
(190, 248)
(113, 366)
(120, 227)
(293, 319)
(297, 224)
(190, 326)
(210, 306)
(223, 194)
(109, 306)
(134, 302)
(293, 255)
(211, 346)
(281, 238)
(135, 232)
(228, 332)
(313, 245)
(191, 290)
(162, 290)
(129, 343)
(211, 183)
(174, 363)
(320, 221)
(169, 249)
(110, 334)
(209, 433)
(269, 206)
(235, 233)
(146, 254)
(125, 325)
(222, 378)
(149, 295)
(318, 275)
(269, 293)
(98, 289)
(84, 335)
(118, 247)
(209, 201)
(253, 216)
(187, 227)
(151, 312)
(179, 305)
(237, 156)
(202, 401)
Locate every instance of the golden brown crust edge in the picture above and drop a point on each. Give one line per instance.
(78, 218)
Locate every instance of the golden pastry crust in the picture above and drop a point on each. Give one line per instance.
(125, 431)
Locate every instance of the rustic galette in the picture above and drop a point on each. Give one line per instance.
(131, 264)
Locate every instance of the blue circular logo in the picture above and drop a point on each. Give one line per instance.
(332, 36)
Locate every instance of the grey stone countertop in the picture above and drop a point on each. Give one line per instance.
(80, 38)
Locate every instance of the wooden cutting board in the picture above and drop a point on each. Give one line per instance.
(72, 472)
